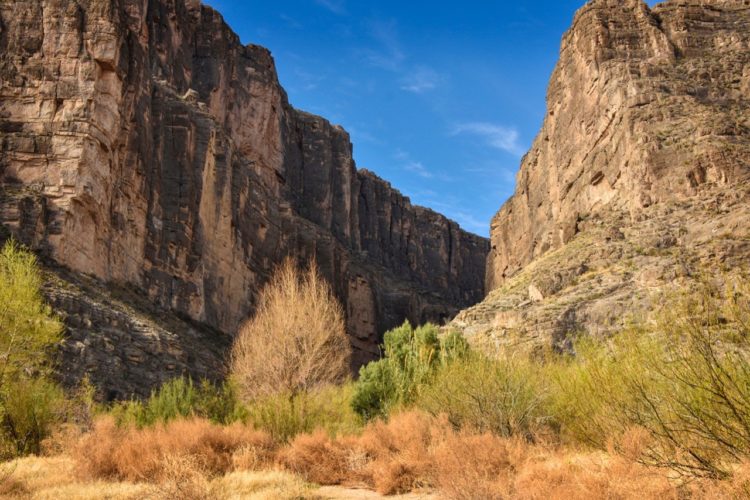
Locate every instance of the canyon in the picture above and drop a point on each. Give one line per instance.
(155, 164)
(637, 181)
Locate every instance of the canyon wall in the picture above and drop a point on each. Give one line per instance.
(144, 145)
(644, 106)
(638, 177)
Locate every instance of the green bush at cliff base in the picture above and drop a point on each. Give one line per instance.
(411, 358)
(30, 402)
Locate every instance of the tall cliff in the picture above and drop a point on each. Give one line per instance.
(144, 145)
(638, 178)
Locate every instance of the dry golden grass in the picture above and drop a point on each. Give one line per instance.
(109, 452)
(412, 452)
(54, 478)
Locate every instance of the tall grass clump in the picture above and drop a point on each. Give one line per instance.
(296, 342)
(30, 401)
(411, 357)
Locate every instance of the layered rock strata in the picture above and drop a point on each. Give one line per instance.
(644, 148)
(144, 145)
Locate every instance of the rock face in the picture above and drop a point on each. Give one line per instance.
(143, 144)
(639, 174)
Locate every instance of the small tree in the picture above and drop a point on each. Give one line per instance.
(296, 342)
(29, 335)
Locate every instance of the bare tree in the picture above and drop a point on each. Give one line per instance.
(296, 341)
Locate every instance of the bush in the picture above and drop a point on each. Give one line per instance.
(31, 407)
(411, 358)
(181, 398)
(504, 396)
(684, 377)
(30, 403)
(132, 454)
(328, 409)
(296, 342)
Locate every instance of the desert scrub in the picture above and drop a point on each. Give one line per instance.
(327, 409)
(505, 396)
(684, 377)
(181, 398)
(31, 403)
(411, 358)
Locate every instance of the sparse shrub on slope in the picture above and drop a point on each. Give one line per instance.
(411, 357)
(296, 341)
(30, 402)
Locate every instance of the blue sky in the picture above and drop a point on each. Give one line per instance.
(441, 98)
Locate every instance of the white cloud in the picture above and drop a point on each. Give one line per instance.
(418, 168)
(422, 79)
(497, 136)
(335, 6)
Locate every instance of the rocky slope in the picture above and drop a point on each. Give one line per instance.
(638, 177)
(144, 145)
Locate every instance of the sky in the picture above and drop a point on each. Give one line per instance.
(441, 98)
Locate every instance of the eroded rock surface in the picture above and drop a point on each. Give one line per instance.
(143, 144)
(638, 177)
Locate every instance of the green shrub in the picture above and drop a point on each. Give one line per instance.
(30, 403)
(504, 396)
(284, 416)
(684, 377)
(180, 398)
(29, 333)
(411, 358)
(31, 408)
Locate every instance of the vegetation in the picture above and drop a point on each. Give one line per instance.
(411, 357)
(328, 409)
(181, 398)
(684, 378)
(30, 402)
(296, 342)
(672, 392)
(504, 396)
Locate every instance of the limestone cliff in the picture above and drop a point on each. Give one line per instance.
(144, 145)
(638, 176)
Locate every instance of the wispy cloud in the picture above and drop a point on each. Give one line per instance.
(388, 53)
(418, 168)
(336, 6)
(496, 136)
(472, 223)
(362, 135)
(421, 79)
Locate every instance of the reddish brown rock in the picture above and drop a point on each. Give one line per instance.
(143, 144)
